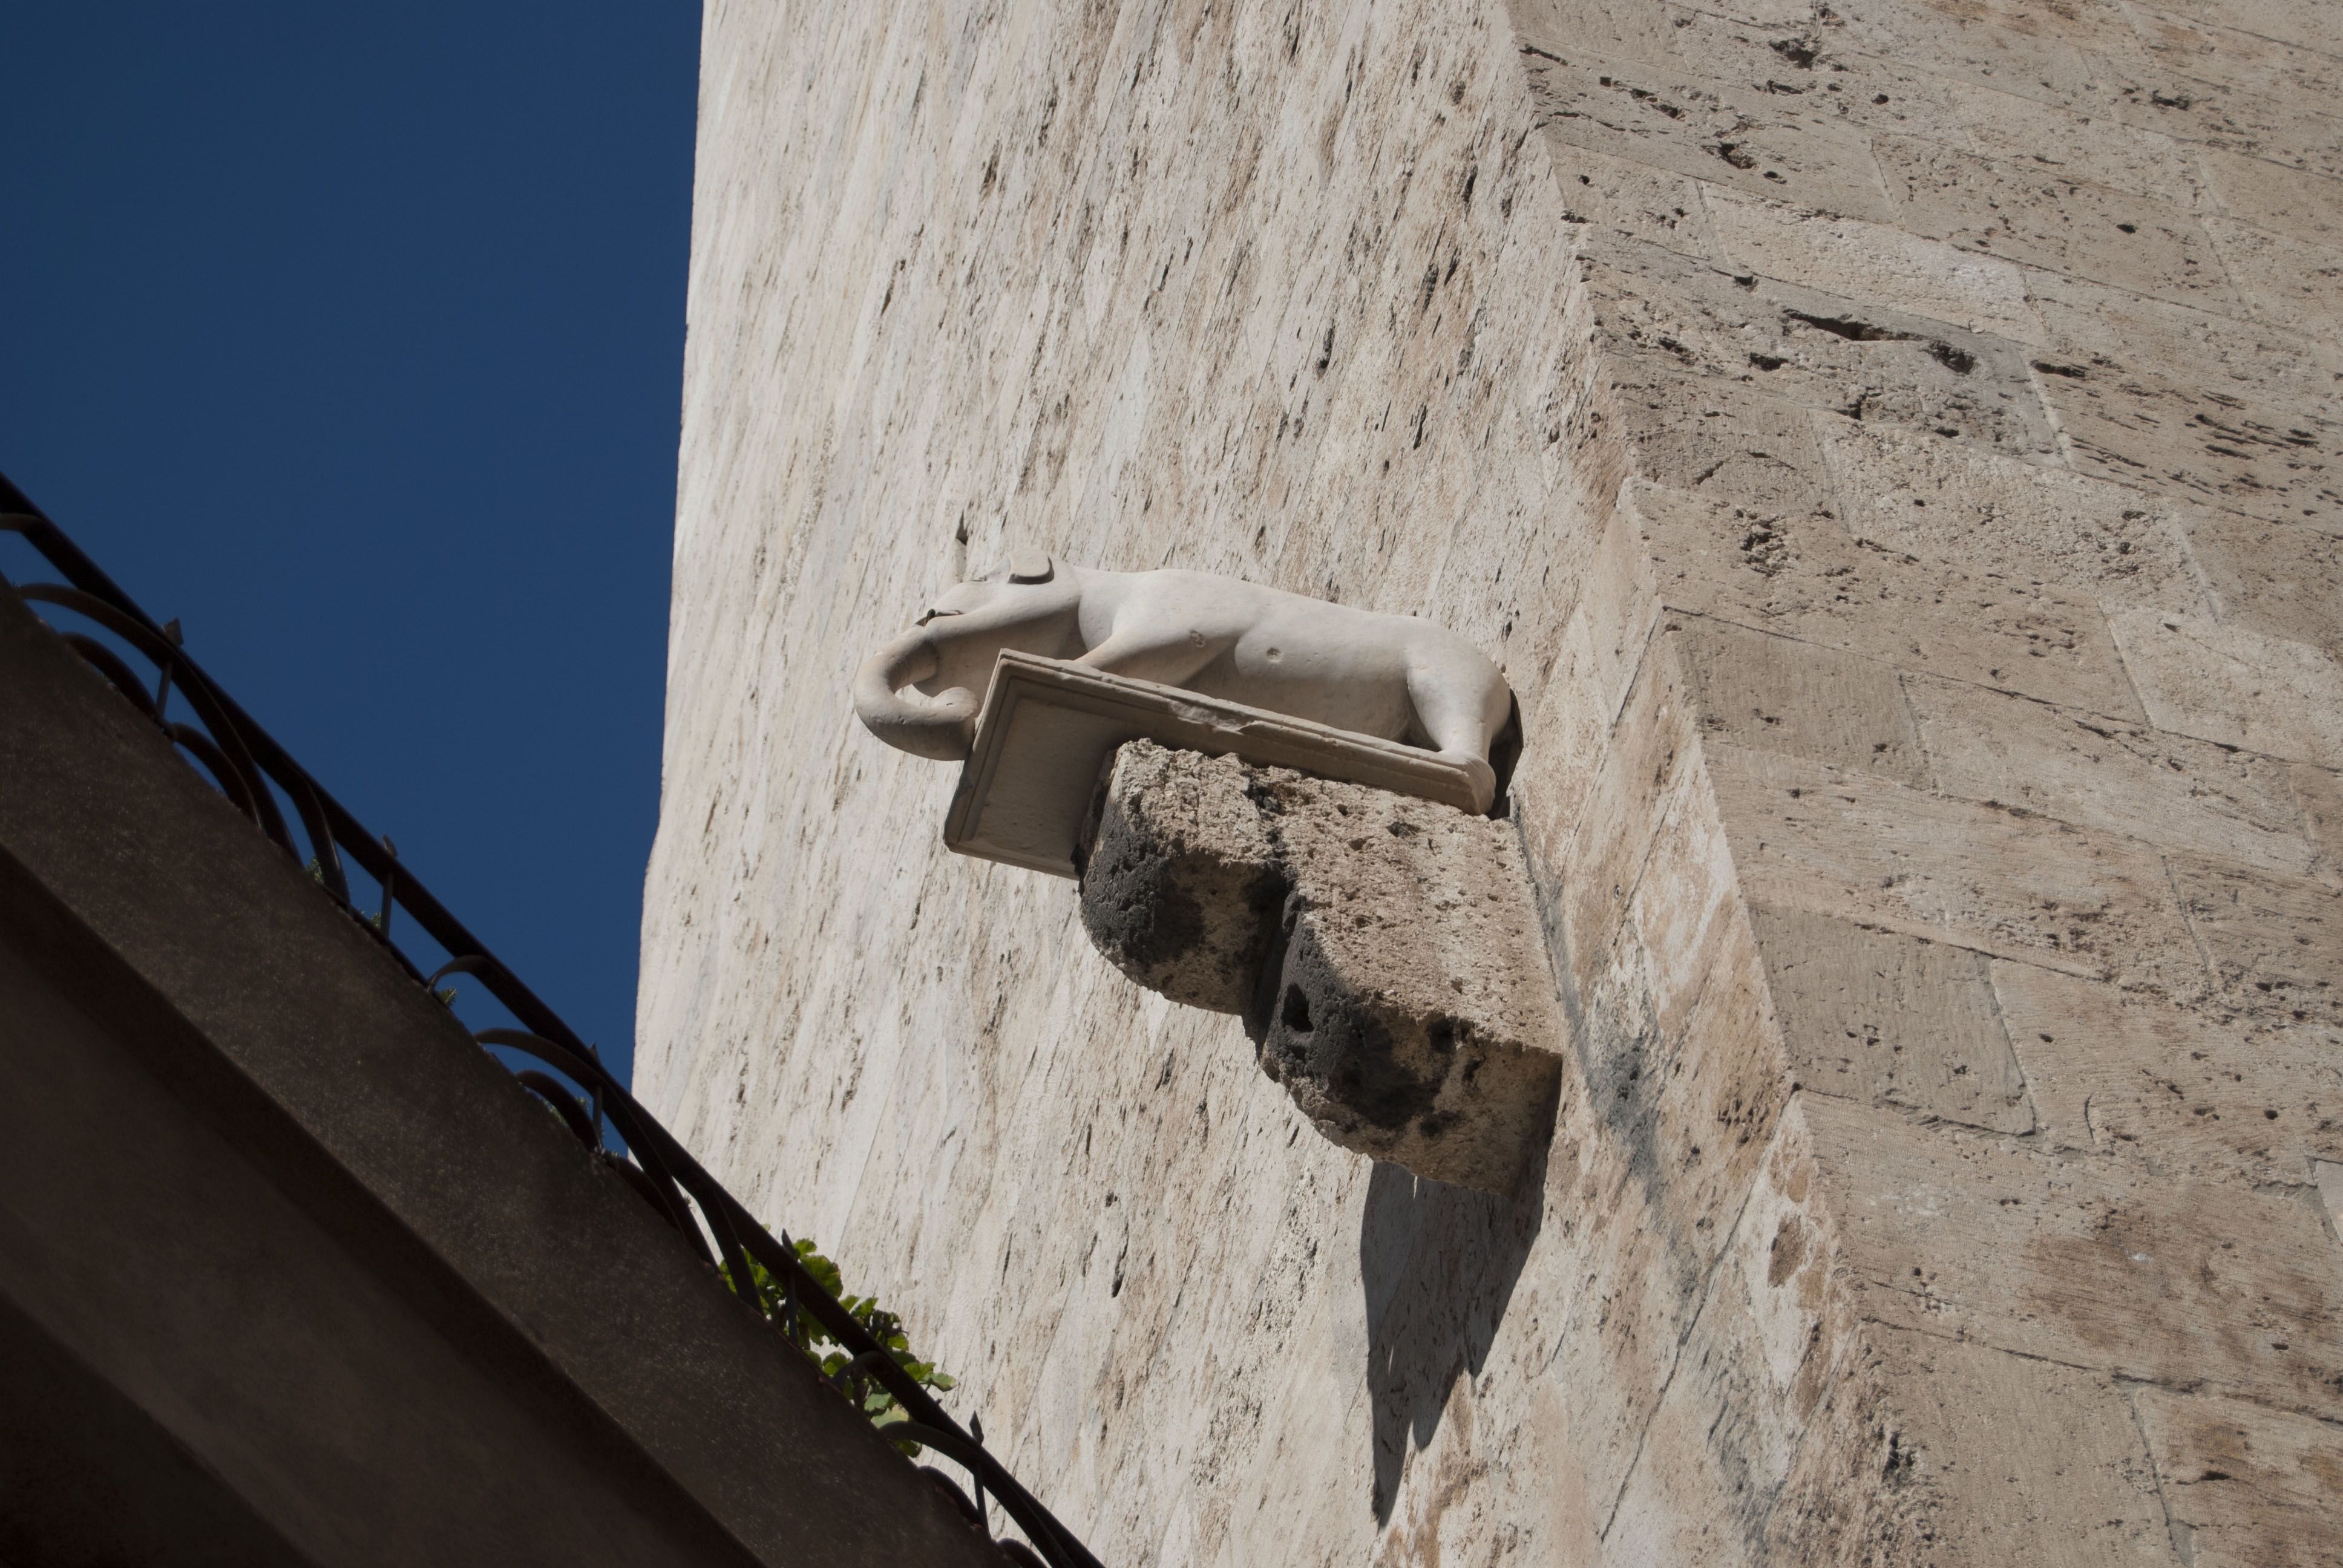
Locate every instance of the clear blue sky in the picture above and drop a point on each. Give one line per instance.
(352, 336)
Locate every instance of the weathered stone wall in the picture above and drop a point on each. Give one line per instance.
(1979, 367)
(1889, 446)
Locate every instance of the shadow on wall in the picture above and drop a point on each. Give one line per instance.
(1438, 1264)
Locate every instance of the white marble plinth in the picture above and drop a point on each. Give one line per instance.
(1049, 727)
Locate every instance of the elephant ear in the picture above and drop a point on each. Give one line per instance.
(1030, 567)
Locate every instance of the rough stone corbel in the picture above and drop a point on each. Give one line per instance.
(1383, 951)
(1379, 945)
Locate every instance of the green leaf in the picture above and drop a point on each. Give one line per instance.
(806, 1333)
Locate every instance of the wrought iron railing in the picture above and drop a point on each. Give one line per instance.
(302, 818)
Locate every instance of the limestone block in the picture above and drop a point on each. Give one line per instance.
(2005, 883)
(1781, 694)
(2234, 687)
(2120, 777)
(2248, 46)
(1795, 57)
(1875, 262)
(2245, 1486)
(1685, 913)
(1748, 1381)
(1999, 43)
(2094, 1264)
(1716, 1449)
(1619, 29)
(1596, 856)
(2306, 24)
(2090, 327)
(1989, 514)
(2276, 200)
(2093, 60)
(1596, 661)
(1707, 434)
(1822, 350)
(2223, 448)
(1633, 199)
(2241, 119)
(1887, 1019)
(1384, 951)
(2246, 62)
(1616, 1346)
(2060, 141)
(2185, 1090)
(2289, 284)
(1662, 114)
(1784, 14)
(2042, 217)
(1808, 578)
(2319, 791)
(1686, 1078)
(1958, 1455)
(2281, 579)
(1181, 884)
(2275, 943)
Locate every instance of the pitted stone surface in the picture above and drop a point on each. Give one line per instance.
(1384, 951)
(1183, 887)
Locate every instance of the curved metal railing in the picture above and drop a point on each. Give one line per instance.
(261, 780)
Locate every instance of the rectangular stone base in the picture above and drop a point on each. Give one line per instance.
(1049, 725)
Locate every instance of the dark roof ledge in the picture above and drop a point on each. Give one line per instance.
(292, 1272)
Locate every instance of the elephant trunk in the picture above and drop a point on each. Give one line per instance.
(944, 728)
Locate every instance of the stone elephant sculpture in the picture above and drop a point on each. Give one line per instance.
(1389, 676)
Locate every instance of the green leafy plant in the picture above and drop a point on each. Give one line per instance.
(803, 1330)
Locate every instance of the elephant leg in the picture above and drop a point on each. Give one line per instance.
(1461, 712)
(1168, 661)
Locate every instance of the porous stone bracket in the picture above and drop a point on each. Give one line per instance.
(1383, 950)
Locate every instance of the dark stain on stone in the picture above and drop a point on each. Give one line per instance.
(1159, 928)
(1321, 1033)
(1959, 361)
(1504, 754)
